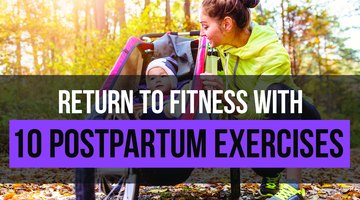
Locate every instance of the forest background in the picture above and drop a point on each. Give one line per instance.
(78, 37)
(85, 37)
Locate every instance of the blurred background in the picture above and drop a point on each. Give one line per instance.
(85, 37)
(76, 37)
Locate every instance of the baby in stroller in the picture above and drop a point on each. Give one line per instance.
(160, 75)
(132, 72)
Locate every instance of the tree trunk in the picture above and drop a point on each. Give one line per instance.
(283, 22)
(99, 11)
(52, 57)
(168, 16)
(122, 19)
(107, 16)
(291, 45)
(18, 67)
(116, 21)
(295, 65)
(147, 2)
(187, 15)
(54, 41)
(319, 58)
(326, 54)
(88, 21)
(76, 26)
(76, 18)
(87, 15)
(35, 54)
(33, 33)
(45, 59)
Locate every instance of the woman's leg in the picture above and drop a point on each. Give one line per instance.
(294, 174)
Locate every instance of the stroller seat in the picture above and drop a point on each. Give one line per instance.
(128, 73)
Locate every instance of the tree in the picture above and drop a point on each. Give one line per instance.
(283, 21)
(187, 15)
(18, 68)
(147, 2)
(42, 37)
(121, 8)
(99, 13)
(168, 14)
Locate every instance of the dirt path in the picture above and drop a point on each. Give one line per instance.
(202, 184)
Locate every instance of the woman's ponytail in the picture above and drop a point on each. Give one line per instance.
(250, 3)
(236, 9)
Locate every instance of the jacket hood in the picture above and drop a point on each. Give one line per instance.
(260, 37)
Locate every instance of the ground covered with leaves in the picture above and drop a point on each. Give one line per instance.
(202, 184)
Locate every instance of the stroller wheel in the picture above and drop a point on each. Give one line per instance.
(124, 188)
(110, 185)
(94, 184)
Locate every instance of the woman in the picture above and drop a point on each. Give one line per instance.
(246, 48)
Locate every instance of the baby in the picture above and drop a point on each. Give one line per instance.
(160, 75)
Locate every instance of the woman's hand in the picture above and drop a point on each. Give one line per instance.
(212, 81)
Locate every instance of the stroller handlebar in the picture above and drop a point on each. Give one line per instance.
(156, 35)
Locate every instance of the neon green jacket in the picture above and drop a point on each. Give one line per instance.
(262, 56)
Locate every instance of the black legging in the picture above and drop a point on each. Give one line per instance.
(309, 112)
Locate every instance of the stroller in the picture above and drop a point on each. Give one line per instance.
(191, 56)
